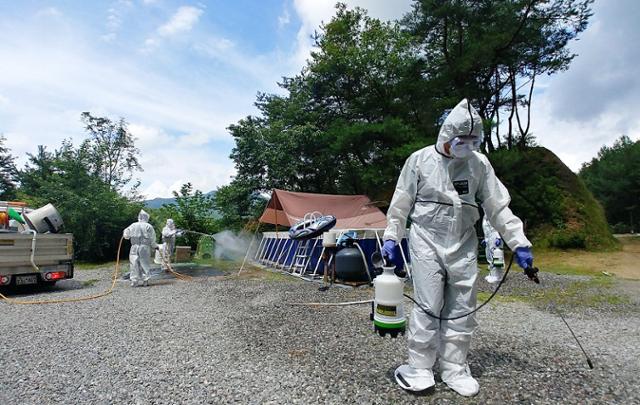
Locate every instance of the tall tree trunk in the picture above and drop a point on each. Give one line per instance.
(514, 106)
(525, 131)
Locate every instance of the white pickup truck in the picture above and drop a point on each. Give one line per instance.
(29, 252)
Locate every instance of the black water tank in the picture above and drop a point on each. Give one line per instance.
(350, 265)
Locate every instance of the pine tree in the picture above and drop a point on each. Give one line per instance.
(7, 172)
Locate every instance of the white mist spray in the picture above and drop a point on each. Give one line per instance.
(231, 245)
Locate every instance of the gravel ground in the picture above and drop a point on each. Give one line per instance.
(226, 340)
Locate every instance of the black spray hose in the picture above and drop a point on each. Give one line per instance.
(426, 311)
(531, 272)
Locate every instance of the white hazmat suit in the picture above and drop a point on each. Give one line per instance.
(169, 233)
(440, 194)
(493, 242)
(143, 241)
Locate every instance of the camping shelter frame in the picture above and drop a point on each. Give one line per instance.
(278, 251)
(303, 257)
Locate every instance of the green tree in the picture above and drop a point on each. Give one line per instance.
(614, 179)
(112, 154)
(8, 172)
(347, 123)
(94, 212)
(238, 205)
(192, 211)
(373, 92)
(556, 206)
(487, 50)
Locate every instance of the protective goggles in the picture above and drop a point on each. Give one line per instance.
(473, 141)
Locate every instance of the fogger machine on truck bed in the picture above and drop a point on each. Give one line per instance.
(32, 251)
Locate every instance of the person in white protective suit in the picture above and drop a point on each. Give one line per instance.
(143, 242)
(492, 242)
(438, 189)
(169, 233)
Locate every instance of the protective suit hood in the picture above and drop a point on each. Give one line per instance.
(460, 123)
(143, 216)
(171, 224)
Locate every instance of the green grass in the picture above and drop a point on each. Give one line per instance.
(565, 269)
(594, 292)
(231, 267)
(227, 266)
(591, 293)
(93, 266)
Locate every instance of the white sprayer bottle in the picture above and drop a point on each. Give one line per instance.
(388, 312)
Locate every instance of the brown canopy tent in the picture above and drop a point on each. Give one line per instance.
(351, 211)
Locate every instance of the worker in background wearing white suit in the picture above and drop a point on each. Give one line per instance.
(143, 242)
(169, 233)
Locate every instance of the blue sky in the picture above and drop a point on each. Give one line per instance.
(181, 72)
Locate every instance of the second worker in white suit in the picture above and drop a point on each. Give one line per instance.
(439, 188)
(169, 233)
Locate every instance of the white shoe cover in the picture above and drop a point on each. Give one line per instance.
(458, 378)
(495, 275)
(414, 379)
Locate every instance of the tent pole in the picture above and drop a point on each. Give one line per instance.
(249, 249)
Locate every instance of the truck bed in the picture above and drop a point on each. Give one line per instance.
(52, 253)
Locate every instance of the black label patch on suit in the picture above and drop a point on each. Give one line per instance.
(461, 186)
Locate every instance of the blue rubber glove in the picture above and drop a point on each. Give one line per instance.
(524, 257)
(498, 242)
(389, 250)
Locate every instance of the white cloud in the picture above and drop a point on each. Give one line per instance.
(171, 161)
(182, 21)
(174, 167)
(113, 19)
(264, 69)
(49, 12)
(574, 141)
(595, 101)
(115, 16)
(109, 37)
(181, 127)
(284, 19)
(148, 137)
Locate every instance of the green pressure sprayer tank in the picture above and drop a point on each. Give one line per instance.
(388, 312)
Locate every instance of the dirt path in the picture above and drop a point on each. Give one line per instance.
(624, 263)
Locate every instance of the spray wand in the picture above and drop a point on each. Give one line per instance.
(196, 233)
(532, 273)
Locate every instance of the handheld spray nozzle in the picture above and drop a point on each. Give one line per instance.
(532, 273)
(379, 262)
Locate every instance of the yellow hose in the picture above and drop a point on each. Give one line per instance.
(183, 277)
(114, 278)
